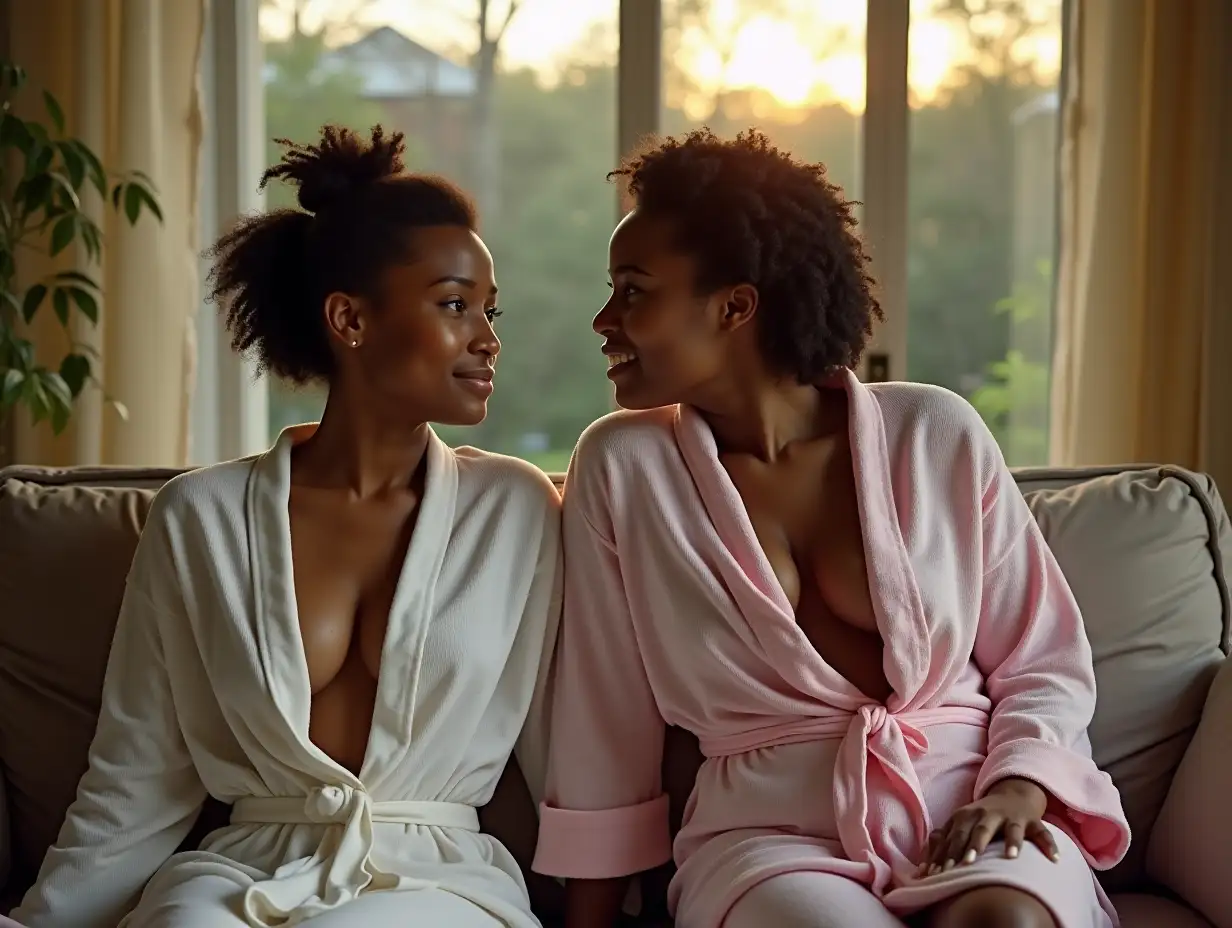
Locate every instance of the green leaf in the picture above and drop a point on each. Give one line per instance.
(94, 167)
(56, 386)
(14, 134)
(121, 409)
(59, 302)
(54, 111)
(63, 233)
(23, 350)
(11, 386)
(88, 350)
(35, 193)
(77, 277)
(92, 237)
(147, 197)
(38, 133)
(85, 302)
(75, 371)
(11, 299)
(60, 415)
(38, 159)
(66, 188)
(37, 400)
(74, 163)
(116, 194)
(60, 399)
(132, 203)
(13, 75)
(34, 298)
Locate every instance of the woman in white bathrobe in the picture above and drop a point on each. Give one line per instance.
(344, 637)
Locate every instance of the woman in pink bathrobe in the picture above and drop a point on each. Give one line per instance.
(836, 588)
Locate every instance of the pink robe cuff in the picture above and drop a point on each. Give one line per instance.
(603, 844)
(1083, 791)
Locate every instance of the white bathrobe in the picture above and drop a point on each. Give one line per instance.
(207, 692)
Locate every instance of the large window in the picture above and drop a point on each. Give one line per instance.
(954, 163)
(981, 218)
(521, 110)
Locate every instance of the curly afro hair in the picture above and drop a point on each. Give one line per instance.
(272, 272)
(749, 213)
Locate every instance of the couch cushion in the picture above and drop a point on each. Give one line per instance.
(65, 549)
(1192, 841)
(1138, 910)
(1141, 549)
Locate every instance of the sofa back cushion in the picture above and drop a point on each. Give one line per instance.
(1146, 553)
(66, 541)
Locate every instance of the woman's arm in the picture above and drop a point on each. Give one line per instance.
(141, 793)
(605, 817)
(511, 815)
(1032, 648)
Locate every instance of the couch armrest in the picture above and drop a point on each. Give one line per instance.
(1191, 843)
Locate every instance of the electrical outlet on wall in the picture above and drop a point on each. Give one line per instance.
(878, 367)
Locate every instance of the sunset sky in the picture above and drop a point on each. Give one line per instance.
(812, 52)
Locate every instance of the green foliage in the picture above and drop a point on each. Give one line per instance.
(43, 173)
(301, 97)
(1014, 400)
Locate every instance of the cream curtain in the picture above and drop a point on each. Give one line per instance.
(126, 74)
(1144, 312)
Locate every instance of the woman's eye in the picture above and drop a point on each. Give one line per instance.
(458, 306)
(492, 313)
(629, 291)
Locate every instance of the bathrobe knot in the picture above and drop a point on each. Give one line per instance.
(879, 745)
(342, 867)
(329, 805)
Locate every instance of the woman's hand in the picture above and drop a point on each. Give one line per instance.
(1012, 809)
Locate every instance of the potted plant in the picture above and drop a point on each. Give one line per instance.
(43, 172)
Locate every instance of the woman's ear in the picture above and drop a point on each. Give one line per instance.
(739, 307)
(344, 319)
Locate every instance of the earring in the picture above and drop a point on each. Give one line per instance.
(355, 343)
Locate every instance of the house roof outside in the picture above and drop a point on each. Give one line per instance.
(392, 66)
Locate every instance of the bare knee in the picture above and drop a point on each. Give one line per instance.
(992, 907)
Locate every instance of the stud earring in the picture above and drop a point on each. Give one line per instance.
(355, 343)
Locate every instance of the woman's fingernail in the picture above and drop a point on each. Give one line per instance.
(933, 870)
(1055, 857)
(1011, 852)
(969, 857)
(949, 864)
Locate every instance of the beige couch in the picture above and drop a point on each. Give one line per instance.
(1148, 552)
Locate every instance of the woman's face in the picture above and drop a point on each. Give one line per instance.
(664, 342)
(426, 350)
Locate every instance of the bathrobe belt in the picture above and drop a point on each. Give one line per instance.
(342, 869)
(341, 805)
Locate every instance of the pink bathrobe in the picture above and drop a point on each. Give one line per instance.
(674, 616)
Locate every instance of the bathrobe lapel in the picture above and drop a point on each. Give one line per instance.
(759, 595)
(279, 641)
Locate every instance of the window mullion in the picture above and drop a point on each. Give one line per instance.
(883, 186)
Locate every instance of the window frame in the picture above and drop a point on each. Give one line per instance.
(230, 409)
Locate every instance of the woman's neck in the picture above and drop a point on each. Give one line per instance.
(765, 420)
(356, 450)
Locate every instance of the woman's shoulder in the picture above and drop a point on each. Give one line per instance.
(213, 488)
(625, 435)
(935, 415)
(509, 477)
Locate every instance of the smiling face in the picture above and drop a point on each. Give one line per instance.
(665, 342)
(423, 348)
